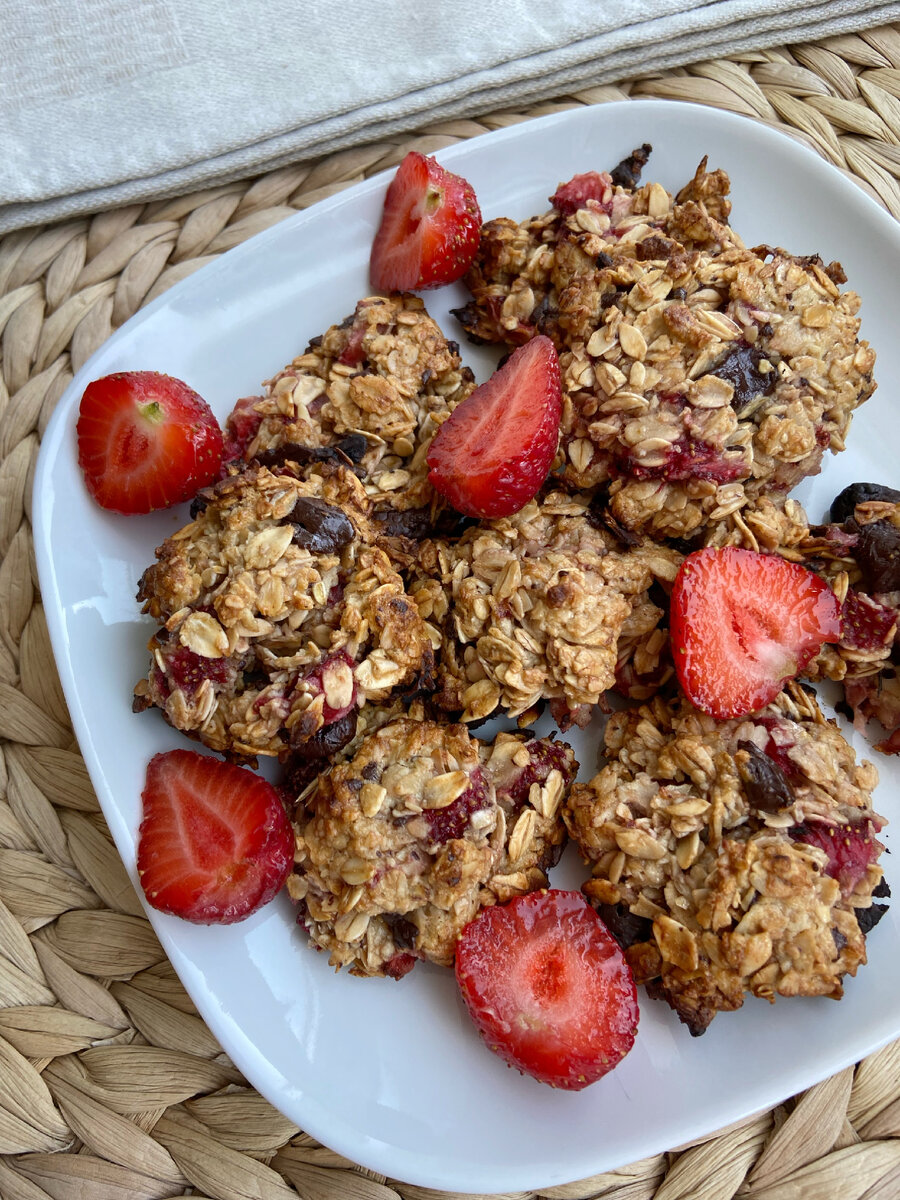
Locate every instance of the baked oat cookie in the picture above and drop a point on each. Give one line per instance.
(377, 387)
(698, 374)
(732, 857)
(399, 848)
(532, 607)
(280, 615)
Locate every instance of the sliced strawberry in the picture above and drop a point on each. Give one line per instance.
(742, 624)
(571, 196)
(429, 230)
(146, 441)
(851, 849)
(548, 987)
(492, 454)
(215, 843)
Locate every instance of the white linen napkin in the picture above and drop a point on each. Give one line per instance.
(107, 102)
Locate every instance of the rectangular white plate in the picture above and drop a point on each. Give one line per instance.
(390, 1074)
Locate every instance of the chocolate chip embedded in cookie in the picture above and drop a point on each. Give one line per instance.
(280, 615)
(731, 857)
(400, 847)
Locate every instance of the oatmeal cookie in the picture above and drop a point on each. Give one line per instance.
(532, 607)
(698, 374)
(280, 615)
(732, 857)
(376, 387)
(399, 848)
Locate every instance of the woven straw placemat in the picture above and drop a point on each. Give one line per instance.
(111, 1087)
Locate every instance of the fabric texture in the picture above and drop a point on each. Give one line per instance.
(107, 102)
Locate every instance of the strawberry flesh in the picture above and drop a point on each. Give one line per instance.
(215, 843)
(146, 441)
(571, 196)
(429, 230)
(866, 624)
(448, 824)
(493, 453)
(744, 623)
(548, 987)
(241, 428)
(851, 849)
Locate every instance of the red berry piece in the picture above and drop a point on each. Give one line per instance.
(742, 624)
(241, 427)
(548, 987)
(429, 230)
(866, 624)
(146, 441)
(851, 849)
(571, 196)
(215, 843)
(494, 451)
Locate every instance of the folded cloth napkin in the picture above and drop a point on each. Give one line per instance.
(107, 102)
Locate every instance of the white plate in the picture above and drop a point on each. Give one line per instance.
(390, 1074)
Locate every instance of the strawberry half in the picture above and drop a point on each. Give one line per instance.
(215, 843)
(491, 455)
(429, 230)
(742, 624)
(146, 441)
(548, 987)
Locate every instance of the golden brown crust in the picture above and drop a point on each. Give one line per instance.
(386, 373)
(532, 607)
(698, 374)
(731, 886)
(279, 613)
(399, 847)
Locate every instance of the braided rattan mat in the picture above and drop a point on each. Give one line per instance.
(111, 1087)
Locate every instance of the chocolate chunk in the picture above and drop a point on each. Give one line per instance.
(599, 516)
(412, 523)
(418, 523)
(200, 501)
(868, 918)
(348, 450)
(308, 759)
(627, 173)
(656, 247)
(279, 456)
(741, 368)
(403, 931)
(765, 784)
(877, 554)
(845, 502)
(320, 527)
(625, 927)
(354, 445)
(325, 743)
